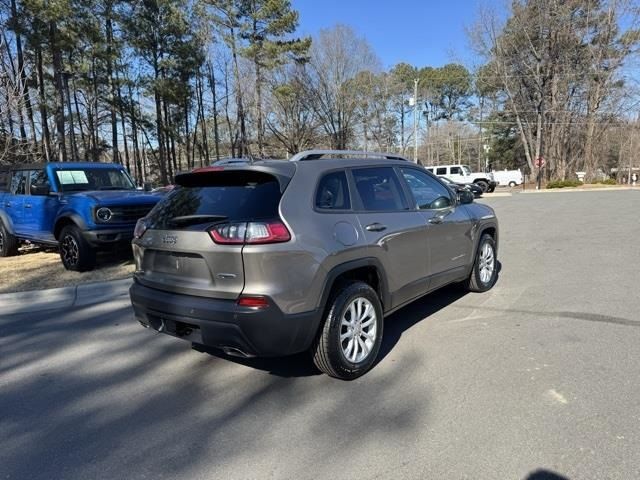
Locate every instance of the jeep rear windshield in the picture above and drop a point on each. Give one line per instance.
(206, 198)
(81, 179)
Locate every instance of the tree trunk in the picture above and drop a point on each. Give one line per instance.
(134, 130)
(46, 140)
(57, 74)
(187, 134)
(23, 75)
(112, 82)
(232, 146)
(18, 82)
(212, 85)
(123, 122)
(244, 149)
(72, 132)
(82, 137)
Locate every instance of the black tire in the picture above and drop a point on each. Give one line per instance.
(328, 351)
(8, 243)
(475, 282)
(75, 252)
(513, 184)
(483, 185)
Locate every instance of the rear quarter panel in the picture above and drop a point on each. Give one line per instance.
(293, 274)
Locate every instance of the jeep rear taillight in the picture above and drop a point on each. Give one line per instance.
(250, 233)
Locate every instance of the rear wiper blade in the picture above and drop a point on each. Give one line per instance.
(196, 219)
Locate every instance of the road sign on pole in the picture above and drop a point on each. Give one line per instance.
(540, 162)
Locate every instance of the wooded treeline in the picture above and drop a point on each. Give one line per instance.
(165, 85)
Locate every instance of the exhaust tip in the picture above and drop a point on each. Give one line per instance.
(236, 352)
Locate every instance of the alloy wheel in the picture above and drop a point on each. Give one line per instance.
(358, 330)
(487, 263)
(70, 250)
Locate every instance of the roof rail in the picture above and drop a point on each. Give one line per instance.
(318, 154)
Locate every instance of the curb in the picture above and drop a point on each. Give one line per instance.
(63, 297)
(495, 194)
(574, 189)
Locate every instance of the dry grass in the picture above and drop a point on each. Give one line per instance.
(37, 269)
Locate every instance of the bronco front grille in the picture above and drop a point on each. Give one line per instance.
(128, 213)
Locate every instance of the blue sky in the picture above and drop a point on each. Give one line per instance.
(420, 32)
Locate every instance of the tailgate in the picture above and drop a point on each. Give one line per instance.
(190, 262)
(177, 251)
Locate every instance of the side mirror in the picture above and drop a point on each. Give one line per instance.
(465, 197)
(42, 189)
(146, 186)
(441, 202)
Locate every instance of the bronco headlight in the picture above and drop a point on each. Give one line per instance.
(104, 214)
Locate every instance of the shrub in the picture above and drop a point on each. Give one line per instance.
(608, 181)
(564, 183)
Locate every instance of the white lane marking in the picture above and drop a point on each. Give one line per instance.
(557, 396)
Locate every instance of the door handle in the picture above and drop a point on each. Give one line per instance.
(27, 205)
(375, 227)
(7, 204)
(436, 220)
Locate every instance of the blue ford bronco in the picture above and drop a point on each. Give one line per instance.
(80, 207)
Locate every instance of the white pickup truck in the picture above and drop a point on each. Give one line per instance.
(463, 174)
(508, 177)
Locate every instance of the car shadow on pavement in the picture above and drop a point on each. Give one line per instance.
(405, 318)
(301, 365)
(545, 475)
(105, 398)
(399, 322)
(291, 366)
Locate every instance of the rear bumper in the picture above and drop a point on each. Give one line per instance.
(98, 238)
(223, 324)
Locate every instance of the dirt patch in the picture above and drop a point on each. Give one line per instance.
(37, 269)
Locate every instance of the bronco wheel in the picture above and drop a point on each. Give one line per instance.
(350, 339)
(8, 243)
(483, 185)
(76, 254)
(485, 268)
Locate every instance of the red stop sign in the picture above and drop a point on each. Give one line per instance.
(539, 162)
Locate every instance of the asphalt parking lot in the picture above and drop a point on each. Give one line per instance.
(540, 374)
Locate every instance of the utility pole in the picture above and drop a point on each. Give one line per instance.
(415, 120)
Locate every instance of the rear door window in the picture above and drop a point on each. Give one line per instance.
(378, 189)
(19, 182)
(37, 178)
(441, 171)
(206, 198)
(333, 192)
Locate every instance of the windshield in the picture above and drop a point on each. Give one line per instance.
(94, 179)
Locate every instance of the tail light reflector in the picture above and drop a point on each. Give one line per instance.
(253, 301)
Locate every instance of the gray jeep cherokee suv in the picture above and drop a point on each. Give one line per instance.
(277, 257)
